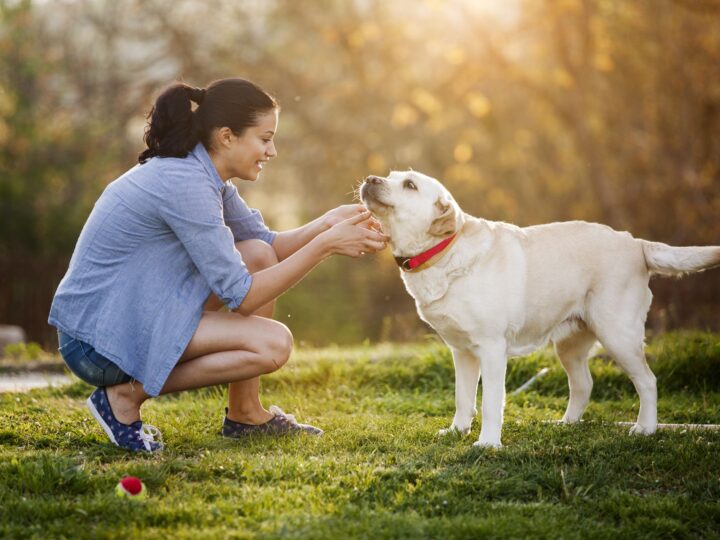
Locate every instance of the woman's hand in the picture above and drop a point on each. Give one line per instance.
(347, 211)
(354, 236)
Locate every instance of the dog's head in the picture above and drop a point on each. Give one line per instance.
(415, 210)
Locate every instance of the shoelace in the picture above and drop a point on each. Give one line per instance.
(148, 434)
(279, 412)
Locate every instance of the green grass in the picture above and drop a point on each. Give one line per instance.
(380, 471)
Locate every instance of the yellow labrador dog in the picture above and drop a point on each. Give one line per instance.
(493, 290)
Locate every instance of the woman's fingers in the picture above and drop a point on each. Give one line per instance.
(368, 246)
(372, 245)
(377, 236)
(372, 224)
(358, 218)
(367, 221)
(355, 239)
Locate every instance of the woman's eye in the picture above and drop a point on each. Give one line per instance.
(409, 184)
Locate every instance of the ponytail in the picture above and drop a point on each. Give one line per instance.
(174, 129)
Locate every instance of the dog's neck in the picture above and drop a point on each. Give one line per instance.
(407, 249)
(427, 258)
(429, 286)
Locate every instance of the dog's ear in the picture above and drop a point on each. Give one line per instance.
(446, 223)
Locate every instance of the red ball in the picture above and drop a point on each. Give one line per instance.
(131, 484)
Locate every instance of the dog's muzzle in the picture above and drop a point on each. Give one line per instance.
(371, 190)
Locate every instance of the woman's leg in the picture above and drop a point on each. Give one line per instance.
(244, 396)
(226, 348)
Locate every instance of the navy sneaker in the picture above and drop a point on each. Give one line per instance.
(279, 424)
(137, 436)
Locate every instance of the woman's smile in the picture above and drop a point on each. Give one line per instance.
(245, 156)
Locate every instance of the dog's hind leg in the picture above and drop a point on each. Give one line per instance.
(467, 374)
(631, 357)
(573, 354)
(621, 331)
(629, 354)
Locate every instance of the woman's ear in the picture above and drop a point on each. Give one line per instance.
(223, 137)
(446, 223)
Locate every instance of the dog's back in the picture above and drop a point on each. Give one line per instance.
(565, 261)
(593, 248)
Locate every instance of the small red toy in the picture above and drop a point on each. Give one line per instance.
(131, 487)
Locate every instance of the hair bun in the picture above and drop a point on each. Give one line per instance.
(196, 94)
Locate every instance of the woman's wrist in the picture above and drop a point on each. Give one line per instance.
(324, 222)
(321, 246)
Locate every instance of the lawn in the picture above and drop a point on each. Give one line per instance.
(380, 471)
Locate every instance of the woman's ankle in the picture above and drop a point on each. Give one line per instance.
(125, 402)
(254, 416)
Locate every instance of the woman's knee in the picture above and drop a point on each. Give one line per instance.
(277, 348)
(257, 254)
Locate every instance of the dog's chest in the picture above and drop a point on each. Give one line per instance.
(439, 304)
(453, 328)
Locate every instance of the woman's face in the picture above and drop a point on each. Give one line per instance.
(245, 156)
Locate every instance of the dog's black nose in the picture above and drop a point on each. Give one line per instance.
(373, 180)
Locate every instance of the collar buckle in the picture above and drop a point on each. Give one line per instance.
(404, 263)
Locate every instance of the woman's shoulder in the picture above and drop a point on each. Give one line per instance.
(186, 173)
(174, 166)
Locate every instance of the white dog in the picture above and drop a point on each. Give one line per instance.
(493, 290)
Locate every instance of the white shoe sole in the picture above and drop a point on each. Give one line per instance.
(96, 414)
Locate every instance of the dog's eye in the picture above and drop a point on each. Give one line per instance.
(409, 184)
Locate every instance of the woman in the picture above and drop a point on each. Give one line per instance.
(169, 243)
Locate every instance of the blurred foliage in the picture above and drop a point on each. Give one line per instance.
(24, 351)
(529, 111)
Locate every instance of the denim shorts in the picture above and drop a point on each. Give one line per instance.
(88, 364)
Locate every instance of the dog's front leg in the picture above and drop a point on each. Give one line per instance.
(467, 373)
(493, 362)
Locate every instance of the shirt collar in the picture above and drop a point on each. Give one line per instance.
(202, 155)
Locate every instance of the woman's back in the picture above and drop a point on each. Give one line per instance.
(133, 290)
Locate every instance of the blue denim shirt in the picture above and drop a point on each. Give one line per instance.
(159, 239)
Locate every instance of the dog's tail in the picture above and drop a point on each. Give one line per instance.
(676, 261)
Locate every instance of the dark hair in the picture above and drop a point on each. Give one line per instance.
(174, 128)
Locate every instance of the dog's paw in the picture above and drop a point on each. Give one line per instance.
(453, 430)
(570, 420)
(487, 444)
(637, 429)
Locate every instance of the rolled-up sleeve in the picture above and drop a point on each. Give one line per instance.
(244, 222)
(194, 212)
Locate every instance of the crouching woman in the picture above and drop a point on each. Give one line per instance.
(170, 242)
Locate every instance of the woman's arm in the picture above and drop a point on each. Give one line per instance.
(345, 238)
(288, 242)
(194, 213)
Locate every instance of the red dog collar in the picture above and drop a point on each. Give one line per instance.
(426, 258)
